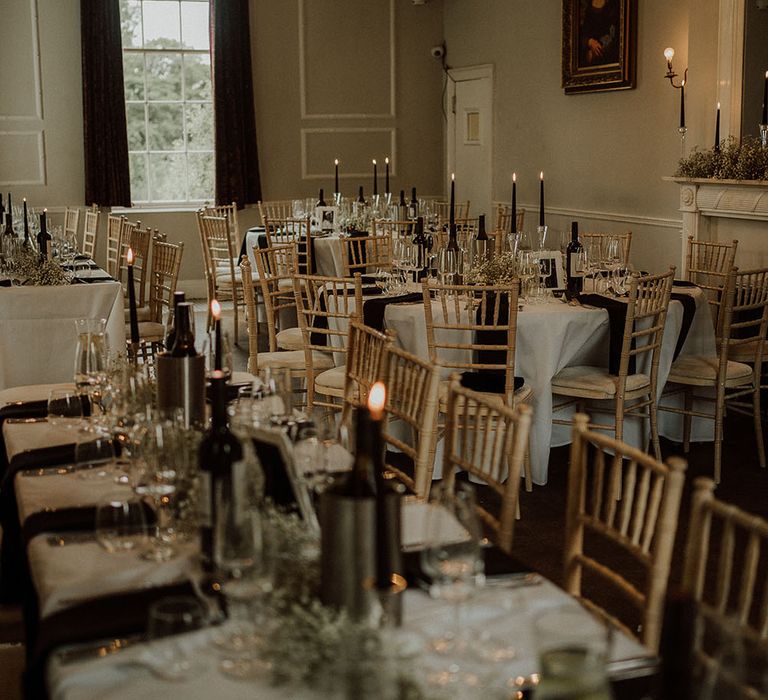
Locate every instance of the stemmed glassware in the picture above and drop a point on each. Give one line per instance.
(245, 559)
(91, 360)
(527, 270)
(121, 524)
(95, 456)
(65, 409)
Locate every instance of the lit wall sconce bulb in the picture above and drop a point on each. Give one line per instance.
(669, 53)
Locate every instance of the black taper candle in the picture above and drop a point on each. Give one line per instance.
(134, 319)
(375, 179)
(336, 179)
(513, 222)
(386, 176)
(541, 199)
(717, 129)
(26, 221)
(682, 106)
(764, 118)
(452, 212)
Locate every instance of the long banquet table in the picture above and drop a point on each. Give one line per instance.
(326, 251)
(70, 572)
(37, 328)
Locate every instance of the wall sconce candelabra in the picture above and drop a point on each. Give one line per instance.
(669, 54)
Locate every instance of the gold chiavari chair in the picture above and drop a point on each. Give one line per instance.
(442, 210)
(366, 253)
(90, 232)
(163, 279)
(223, 279)
(740, 336)
(289, 231)
(294, 360)
(641, 525)
(229, 212)
(633, 393)
(276, 209)
(488, 441)
(326, 306)
(114, 233)
(276, 266)
(723, 575)
(138, 240)
(708, 266)
(72, 221)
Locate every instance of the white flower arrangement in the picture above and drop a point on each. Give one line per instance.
(499, 269)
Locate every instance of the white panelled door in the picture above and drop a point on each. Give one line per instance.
(470, 137)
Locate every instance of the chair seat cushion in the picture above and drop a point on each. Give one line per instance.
(593, 381)
(294, 359)
(522, 393)
(238, 378)
(332, 378)
(290, 339)
(702, 371)
(142, 314)
(150, 330)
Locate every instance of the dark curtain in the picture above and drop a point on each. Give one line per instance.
(237, 158)
(107, 180)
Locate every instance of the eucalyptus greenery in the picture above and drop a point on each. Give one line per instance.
(744, 160)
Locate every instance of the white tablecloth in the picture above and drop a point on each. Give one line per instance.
(327, 252)
(555, 335)
(37, 329)
(506, 614)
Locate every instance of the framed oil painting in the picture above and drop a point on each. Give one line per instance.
(599, 45)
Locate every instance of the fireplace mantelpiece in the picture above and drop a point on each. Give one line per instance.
(702, 199)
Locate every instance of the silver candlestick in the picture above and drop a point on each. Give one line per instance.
(764, 135)
(682, 131)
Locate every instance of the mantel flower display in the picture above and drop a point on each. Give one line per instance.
(744, 160)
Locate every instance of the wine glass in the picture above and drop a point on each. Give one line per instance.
(246, 561)
(527, 269)
(452, 555)
(91, 359)
(121, 524)
(65, 409)
(95, 456)
(155, 476)
(169, 618)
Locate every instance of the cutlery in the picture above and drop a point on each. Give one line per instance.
(71, 538)
(83, 652)
(521, 579)
(49, 471)
(19, 421)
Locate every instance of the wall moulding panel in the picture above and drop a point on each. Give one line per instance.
(331, 85)
(355, 147)
(22, 158)
(20, 86)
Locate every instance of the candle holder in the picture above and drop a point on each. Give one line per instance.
(337, 198)
(764, 135)
(541, 232)
(682, 131)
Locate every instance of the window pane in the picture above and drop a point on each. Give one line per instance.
(130, 22)
(194, 25)
(137, 136)
(164, 77)
(138, 169)
(167, 180)
(197, 77)
(133, 76)
(199, 127)
(165, 127)
(161, 24)
(200, 174)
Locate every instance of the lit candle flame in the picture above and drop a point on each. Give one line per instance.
(129, 256)
(215, 310)
(682, 84)
(541, 175)
(217, 374)
(453, 176)
(376, 399)
(374, 161)
(386, 160)
(718, 105)
(514, 177)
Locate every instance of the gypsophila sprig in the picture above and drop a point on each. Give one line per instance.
(28, 267)
(500, 269)
(747, 160)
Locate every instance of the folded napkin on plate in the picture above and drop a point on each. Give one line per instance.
(374, 309)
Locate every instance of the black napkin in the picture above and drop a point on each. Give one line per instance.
(689, 311)
(492, 380)
(106, 617)
(6, 283)
(683, 283)
(321, 322)
(617, 318)
(262, 242)
(374, 309)
(244, 245)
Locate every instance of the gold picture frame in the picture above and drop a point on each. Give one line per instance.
(599, 45)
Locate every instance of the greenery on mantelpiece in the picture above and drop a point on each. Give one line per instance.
(744, 160)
